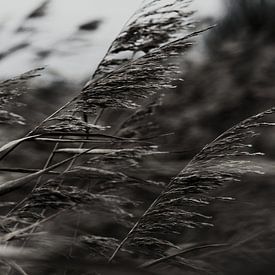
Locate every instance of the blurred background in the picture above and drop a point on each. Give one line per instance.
(71, 37)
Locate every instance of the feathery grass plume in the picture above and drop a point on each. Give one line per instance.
(101, 247)
(33, 219)
(137, 79)
(110, 181)
(155, 23)
(114, 171)
(69, 123)
(10, 89)
(56, 195)
(222, 161)
(141, 123)
(123, 159)
(117, 172)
